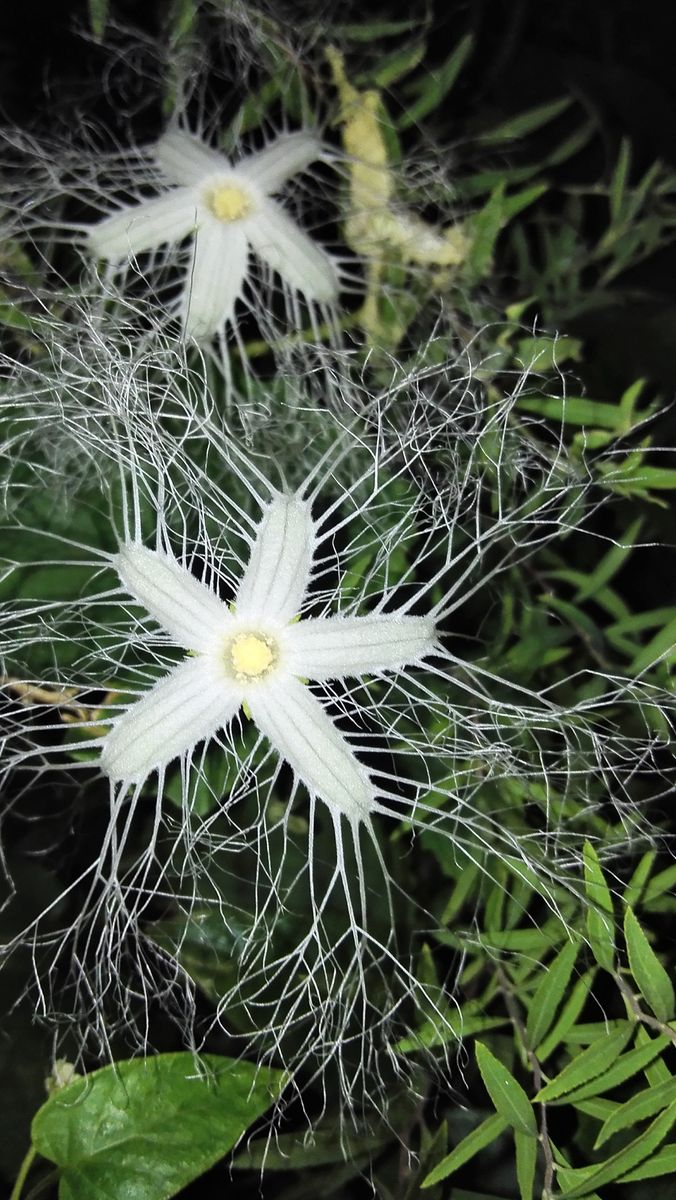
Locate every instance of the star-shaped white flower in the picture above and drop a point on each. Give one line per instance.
(229, 211)
(258, 655)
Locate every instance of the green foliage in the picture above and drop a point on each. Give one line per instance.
(565, 978)
(145, 1128)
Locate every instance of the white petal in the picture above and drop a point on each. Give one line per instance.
(185, 159)
(215, 278)
(193, 702)
(144, 226)
(302, 264)
(335, 647)
(186, 608)
(285, 157)
(278, 573)
(295, 723)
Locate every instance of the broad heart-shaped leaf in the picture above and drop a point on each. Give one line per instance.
(144, 1128)
(651, 977)
(509, 1098)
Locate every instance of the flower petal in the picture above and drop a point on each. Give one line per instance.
(185, 159)
(186, 608)
(335, 647)
(144, 226)
(302, 264)
(215, 279)
(301, 731)
(275, 581)
(192, 702)
(285, 157)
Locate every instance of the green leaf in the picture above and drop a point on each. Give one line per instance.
(637, 884)
(526, 1160)
(527, 122)
(625, 1160)
(662, 646)
(652, 979)
(600, 921)
(611, 563)
(483, 227)
(638, 1108)
(98, 18)
(509, 1098)
(618, 183)
(295, 1151)
(587, 1065)
(569, 1014)
(477, 1140)
(546, 353)
(574, 410)
(623, 1068)
(663, 1163)
(372, 31)
(394, 66)
(550, 993)
(663, 882)
(144, 1128)
(437, 84)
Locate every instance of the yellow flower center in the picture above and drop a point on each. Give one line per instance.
(229, 202)
(252, 655)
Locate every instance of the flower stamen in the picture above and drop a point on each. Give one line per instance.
(252, 655)
(228, 202)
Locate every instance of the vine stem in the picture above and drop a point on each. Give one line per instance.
(23, 1173)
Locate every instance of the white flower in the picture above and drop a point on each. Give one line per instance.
(257, 656)
(229, 212)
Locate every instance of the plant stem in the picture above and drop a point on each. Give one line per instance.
(23, 1173)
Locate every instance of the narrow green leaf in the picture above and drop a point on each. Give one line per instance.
(637, 884)
(662, 646)
(148, 1127)
(597, 1108)
(477, 1140)
(618, 183)
(574, 410)
(664, 881)
(396, 65)
(372, 31)
(438, 84)
(550, 993)
(526, 1160)
(98, 18)
(623, 1068)
(527, 122)
(566, 1174)
(652, 979)
(569, 1014)
(587, 1065)
(509, 1098)
(586, 1032)
(611, 562)
(626, 1159)
(663, 1163)
(295, 1152)
(600, 922)
(638, 1108)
